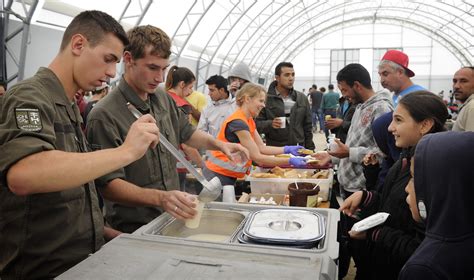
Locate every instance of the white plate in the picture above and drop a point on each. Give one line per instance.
(370, 222)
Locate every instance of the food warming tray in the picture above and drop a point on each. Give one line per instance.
(293, 227)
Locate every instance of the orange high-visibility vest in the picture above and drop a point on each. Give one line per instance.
(218, 162)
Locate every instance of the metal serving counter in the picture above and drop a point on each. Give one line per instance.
(163, 249)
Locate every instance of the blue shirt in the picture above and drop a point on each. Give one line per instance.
(409, 89)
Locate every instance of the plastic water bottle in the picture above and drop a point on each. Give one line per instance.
(332, 145)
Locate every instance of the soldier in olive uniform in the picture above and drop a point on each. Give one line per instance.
(49, 215)
(153, 180)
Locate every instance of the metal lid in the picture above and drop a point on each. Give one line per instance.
(242, 238)
(284, 226)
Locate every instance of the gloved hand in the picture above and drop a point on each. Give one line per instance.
(292, 150)
(298, 161)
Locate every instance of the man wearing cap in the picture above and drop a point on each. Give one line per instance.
(463, 88)
(394, 76)
(238, 76)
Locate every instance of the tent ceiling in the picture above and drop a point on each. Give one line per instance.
(455, 33)
(261, 33)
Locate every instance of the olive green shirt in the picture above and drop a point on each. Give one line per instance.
(44, 234)
(107, 127)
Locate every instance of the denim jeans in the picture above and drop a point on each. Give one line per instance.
(317, 116)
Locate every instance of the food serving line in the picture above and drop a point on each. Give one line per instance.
(232, 240)
(166, 249)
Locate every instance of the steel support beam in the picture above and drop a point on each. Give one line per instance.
(128, 14)
(248, 33)
(3, 50)
(24, 31)
(300, 29)
(232, 22)
(204, 59)
(187, 26)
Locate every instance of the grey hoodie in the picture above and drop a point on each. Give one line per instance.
(361, 140)
(242, 71)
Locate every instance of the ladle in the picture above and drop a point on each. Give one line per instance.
(211, 189)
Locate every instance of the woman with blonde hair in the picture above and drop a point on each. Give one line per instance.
(240, 128)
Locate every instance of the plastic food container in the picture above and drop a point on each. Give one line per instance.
(280, 185)
(299, 193)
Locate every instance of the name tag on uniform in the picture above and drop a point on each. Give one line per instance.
(28, 119)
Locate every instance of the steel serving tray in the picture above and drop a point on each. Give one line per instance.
(285, 226)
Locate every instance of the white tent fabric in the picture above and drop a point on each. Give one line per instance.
(220, 34)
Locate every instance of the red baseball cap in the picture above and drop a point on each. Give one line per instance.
(399, 58)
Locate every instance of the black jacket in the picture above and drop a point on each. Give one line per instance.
(298, 131)
(391, 244)
(346, 117)
(445, 186)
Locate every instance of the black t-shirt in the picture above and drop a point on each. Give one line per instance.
(186, 109)
(88, 109)
(232, 127)
(316, 98)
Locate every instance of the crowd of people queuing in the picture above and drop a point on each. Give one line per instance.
(73, 174)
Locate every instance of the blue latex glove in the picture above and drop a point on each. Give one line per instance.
(298, 162)
(292, 150)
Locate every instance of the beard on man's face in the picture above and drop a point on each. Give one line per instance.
(357, 97)
(460, 96)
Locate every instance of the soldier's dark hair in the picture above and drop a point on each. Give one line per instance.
(93, 25)
(141, 37)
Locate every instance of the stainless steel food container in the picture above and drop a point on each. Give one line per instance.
(300, 228)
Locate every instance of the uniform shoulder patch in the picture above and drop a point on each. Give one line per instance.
(28, 119)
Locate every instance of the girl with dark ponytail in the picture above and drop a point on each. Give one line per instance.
(179, 84)
(180, 78)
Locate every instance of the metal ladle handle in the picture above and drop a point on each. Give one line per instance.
(173, 151)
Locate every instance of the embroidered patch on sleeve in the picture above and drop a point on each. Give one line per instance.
(28, 119)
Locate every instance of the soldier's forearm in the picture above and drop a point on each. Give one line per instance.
(54, 170)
